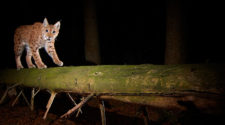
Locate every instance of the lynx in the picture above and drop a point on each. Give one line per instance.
(33, 37)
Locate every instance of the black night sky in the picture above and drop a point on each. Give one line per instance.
(130, 32)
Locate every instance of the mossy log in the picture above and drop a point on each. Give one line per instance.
(163, 86)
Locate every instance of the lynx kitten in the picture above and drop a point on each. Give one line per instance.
(33, 37)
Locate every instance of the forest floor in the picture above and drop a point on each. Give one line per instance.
(21, 114)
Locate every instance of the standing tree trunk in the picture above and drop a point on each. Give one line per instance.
(175, 42)
(91, 33)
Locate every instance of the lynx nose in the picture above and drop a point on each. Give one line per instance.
(49, 38)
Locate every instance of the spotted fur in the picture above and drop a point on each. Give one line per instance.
(32, 38)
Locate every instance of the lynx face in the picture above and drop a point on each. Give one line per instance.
(50, 32)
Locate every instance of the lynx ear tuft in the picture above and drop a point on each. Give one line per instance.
(45, 22)
(57, 25)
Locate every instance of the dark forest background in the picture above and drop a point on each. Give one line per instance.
(130, 32)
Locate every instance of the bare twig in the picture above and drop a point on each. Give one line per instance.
(32, 99)
(25, 98)
(14, 102)
(71, 98)
(78, 106)
(50, 101)
(3, 97)
(6, 92)
(102, 109)
(37, 92)
(33, 94)
(146, 116)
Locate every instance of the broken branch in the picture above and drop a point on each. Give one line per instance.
(71, 98)
(50, 101)
(102, 109)
(78, 106)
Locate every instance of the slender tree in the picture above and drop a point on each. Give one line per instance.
(92, 54)
(175, 41)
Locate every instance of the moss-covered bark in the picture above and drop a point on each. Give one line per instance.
(159, 85)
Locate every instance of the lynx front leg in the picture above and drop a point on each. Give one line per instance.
(55, 58)
(50, 49)
(37, 59)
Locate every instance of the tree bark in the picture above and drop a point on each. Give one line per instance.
(155, 85)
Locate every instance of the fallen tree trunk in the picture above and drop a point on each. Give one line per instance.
(155, 85)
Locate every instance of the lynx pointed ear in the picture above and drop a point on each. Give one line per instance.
(45, 22)
(57, 25)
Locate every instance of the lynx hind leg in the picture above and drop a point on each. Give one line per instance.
(28, 58)
(18, 49)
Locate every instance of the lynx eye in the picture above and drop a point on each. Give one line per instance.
(46, 30)
(53, 31)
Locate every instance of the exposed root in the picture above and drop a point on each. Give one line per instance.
(78, 105)
(50, 101)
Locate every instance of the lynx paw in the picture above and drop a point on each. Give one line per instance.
(31, 66)
(19, 67)
(42, 66)
(59, 63)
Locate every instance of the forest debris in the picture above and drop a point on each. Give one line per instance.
(78, 106)
(50, 101)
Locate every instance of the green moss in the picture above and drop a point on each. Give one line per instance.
(121, 78)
